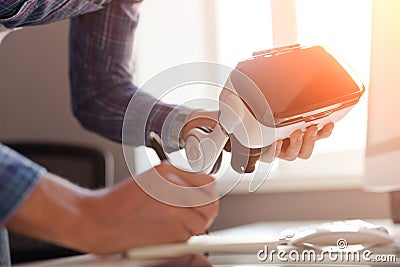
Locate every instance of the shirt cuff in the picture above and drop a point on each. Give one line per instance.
(18, 177)
(172, 128)
(167, 121)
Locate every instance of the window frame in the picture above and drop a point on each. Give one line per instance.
(284, 15)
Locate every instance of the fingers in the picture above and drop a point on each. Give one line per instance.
(195, 218)
(291, 146)
(310, 136)
(326, 130)
(199, 219)
(302, 144)
(204, 215)
(269, 153)
(200, 187)
(190, 179)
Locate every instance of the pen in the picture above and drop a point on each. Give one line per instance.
(155, 142)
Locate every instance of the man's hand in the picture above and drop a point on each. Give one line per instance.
(112, 220)
(299, 145)
(131, 218)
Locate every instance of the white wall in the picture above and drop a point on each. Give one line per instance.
(383, 141)
(34, 92)
(384, 85)
(173, 32)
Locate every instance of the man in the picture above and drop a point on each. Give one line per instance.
(37, 203)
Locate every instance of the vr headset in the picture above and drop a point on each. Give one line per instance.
(269, 96)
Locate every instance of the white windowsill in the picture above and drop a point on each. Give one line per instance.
(304, 184)
(324, 172)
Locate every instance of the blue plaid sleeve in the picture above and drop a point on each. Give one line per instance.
(101, 45)
(18, 176)
(18, 13)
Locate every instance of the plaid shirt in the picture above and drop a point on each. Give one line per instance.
(101, 45)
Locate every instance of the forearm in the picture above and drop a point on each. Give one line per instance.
(145, 115)
(56, 211)
(116, 219)
(100, 74)
(21, 13)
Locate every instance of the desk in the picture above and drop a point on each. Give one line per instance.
(248, 258)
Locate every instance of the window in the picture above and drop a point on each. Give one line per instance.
(342, 25)
(242, 29)
(188, 34)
